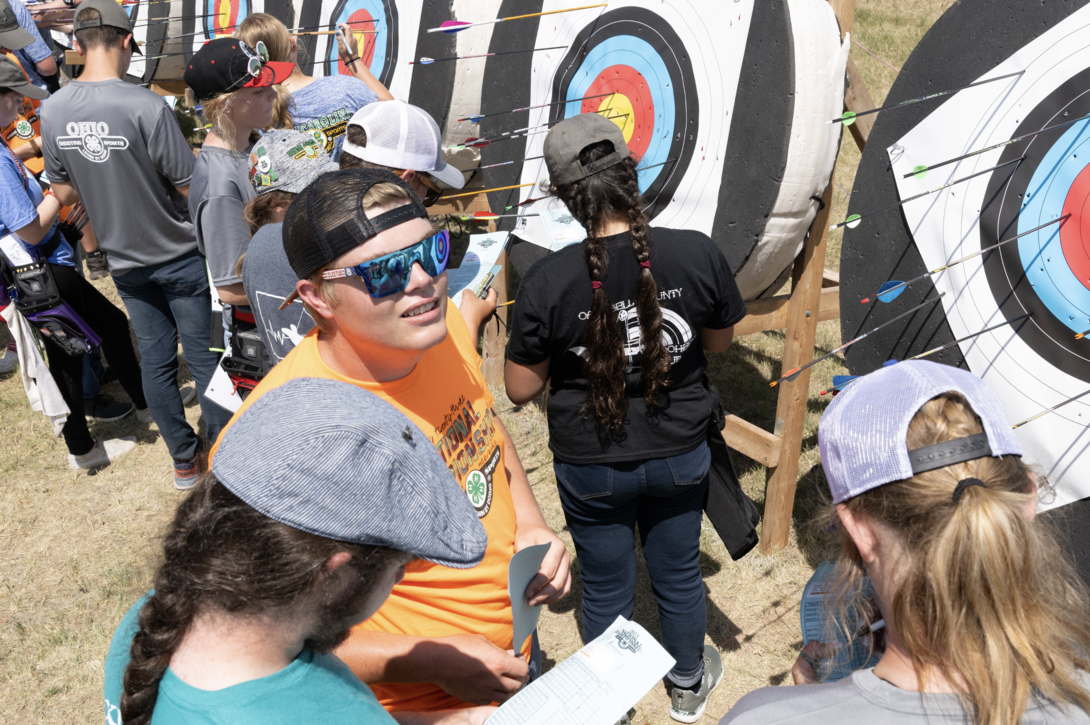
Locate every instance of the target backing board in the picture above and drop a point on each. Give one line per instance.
(1035, 363)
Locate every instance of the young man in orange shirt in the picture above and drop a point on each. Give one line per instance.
(372, 274)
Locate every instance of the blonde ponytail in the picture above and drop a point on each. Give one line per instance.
(986, 597)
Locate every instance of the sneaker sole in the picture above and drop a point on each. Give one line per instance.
(93, 419)
(686, 717)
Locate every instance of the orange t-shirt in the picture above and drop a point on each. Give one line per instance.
(26, 126)
(447, 398)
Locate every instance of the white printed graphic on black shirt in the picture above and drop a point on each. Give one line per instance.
(93, 140)
(271, 315)
(677, 335)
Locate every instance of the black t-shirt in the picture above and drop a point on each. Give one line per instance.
(696, 290)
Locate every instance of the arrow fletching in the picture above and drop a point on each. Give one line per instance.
(848, 118)
(454, 26)
(1081, 335)
(485, 215)
(890, 291)
(426, 61)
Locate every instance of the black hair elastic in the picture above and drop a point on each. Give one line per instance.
(966, 483)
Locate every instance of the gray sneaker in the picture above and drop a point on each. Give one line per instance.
(688, 706)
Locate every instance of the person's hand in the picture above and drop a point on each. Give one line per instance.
(475, 670)
(465, 716)
(803, 672)
(553, 579)
(475, 310)
(352, 49)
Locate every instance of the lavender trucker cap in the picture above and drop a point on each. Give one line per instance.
(334, 460)
(862, 433)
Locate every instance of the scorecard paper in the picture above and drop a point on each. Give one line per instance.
(595, 686)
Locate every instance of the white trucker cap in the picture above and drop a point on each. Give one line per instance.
(401, 136)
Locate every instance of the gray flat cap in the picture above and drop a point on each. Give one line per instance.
(334, 460)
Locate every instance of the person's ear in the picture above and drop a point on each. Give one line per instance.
(408, 175)
(76, 47)
(336, 562)
(861, 531)
(294, 45)
(128, 43)
(308, 293)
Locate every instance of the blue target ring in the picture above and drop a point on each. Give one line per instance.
(637, 54)
(1041, 253)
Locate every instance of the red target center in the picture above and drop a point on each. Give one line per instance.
(1075, 232)
(226, 17)
(366, 42)
(628, 82)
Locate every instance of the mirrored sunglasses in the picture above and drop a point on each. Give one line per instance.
(389, 274)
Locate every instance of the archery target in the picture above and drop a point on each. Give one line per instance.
(223, 17)
(1035, 363)
(672, 76)
(378, 47)
(632, 67)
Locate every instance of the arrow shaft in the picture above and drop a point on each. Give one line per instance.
(485, 191)
(530, 108)
(974, 254)
(864, 335)
(513, 17)
(921, 99)
(993, 148)
(1046, 412)
(920, 196)
(485, 55)
(969, 337)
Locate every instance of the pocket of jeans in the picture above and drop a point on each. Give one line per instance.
(691, 468)
(185, 277)
(585, 482)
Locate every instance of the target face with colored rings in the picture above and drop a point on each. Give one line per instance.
(224, 16)
(1046, 272)
(378, 49)
(630, 66)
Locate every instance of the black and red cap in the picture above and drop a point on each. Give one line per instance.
(225, 65)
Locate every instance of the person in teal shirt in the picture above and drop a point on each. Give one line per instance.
(275, 555)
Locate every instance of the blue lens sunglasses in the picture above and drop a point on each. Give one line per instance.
(389, 274)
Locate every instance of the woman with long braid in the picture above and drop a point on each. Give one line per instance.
(620, 324)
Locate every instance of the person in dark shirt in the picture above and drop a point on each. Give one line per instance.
(620, 324)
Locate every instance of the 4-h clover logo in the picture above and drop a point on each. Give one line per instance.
(92, 139)
(477, 488)
(23, 129)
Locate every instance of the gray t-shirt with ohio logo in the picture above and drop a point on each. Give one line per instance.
(122, 150)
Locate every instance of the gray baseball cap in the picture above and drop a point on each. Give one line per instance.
(287, 160)
(13, 78)
(334, 460)
(862, 434)
(110, 13)
(12, 35)
(568, 138)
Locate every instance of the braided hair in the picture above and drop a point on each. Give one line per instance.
(222, 555)
(614, 195)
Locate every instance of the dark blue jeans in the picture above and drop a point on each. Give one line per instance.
(665, 496)
(166, 302)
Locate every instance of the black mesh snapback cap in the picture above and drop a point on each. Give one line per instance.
(326, 219)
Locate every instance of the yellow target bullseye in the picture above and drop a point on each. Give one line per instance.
(619, 109)
(223, 15)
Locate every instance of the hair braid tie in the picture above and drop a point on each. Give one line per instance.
(646, 265)
(596, 285)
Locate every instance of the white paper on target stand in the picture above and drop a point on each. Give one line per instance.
(945, 227)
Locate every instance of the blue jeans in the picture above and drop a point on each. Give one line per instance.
(167, 301)
(665, 496)
(93, 370)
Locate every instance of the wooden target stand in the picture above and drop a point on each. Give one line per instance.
(814, 297)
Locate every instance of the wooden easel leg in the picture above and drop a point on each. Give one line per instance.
(798, 350)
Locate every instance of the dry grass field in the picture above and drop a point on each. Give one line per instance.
(76, 550)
